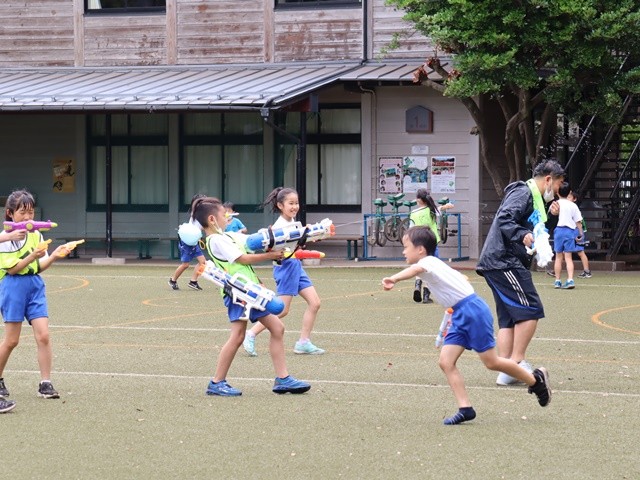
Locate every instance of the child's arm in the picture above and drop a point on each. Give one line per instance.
(252, 258)
(14, 235)
(59, 252)
(409, 272)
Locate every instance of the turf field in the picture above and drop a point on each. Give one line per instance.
(132, 360)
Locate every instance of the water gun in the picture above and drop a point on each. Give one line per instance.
(290, 236)
(444, 327)
(70, 246)
(29, 225)
(242, 290)
(44, 245)
(540, 247)
(306, 254)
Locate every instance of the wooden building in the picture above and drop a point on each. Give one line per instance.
(115, 112)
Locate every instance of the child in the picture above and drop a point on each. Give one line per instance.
(471, 324)
(23, 292)
(234, 223)
(586, 272)
(426, 214)
(291, 279)
(188, 253)
(564, 236)
(228, 252)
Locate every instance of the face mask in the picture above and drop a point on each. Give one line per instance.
(548, 195)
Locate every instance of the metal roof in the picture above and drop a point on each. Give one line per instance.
(162, 88)
(173, 88)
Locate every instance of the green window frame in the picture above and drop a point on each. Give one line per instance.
(124, 6)
(296, 4)
(333, 154)
(222, 155)
(140, 162)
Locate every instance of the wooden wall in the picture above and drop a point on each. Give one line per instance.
(195, 32)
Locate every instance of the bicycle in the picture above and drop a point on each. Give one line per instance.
(375, 229)
(443, 221)
(393, 226)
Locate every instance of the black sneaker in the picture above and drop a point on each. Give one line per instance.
(46, 390)
(541, 387)
(6, 405)
(3, 390)
(425, 296)
(417, 292)
(173, 284)
(194, 285)
(585, 274)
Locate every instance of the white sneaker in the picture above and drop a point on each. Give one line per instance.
(504, 379)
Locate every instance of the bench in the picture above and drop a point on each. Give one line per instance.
(352, 240)
(144, 244)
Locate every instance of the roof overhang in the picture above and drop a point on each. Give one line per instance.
(230, 87)
(174, 88)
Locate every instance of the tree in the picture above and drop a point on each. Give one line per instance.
(534, 58)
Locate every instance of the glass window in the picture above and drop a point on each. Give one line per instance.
(222, 156)
(317, 3)
(124, 5)
(334, 158)
(139, 162)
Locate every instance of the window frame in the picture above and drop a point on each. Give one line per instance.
(124, 10)
(315, 4)
(124, 141)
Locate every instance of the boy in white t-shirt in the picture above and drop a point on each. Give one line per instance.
(471, 325)
(564, 236)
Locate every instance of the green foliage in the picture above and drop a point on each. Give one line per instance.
(570, 50)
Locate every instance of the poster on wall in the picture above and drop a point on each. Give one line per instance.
(390, 174)
(443, 174)
(415, 173)
(64, 175)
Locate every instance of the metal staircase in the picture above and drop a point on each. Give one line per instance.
(608, 157)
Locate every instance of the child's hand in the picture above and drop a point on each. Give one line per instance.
(61, 251)
(388, 283)
(276, 254)
(16, 235)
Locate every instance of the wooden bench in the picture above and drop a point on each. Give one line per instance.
(352, 240)
(144, 244)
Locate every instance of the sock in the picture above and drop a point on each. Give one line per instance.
(464, 414)
(250, 334)
(45, 381)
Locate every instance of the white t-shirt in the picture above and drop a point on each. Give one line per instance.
(224, 248)
(448, 286)
(569, 214)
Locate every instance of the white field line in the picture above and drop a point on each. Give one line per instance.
(327, 382)
(319, 332)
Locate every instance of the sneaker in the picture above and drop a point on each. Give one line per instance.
(249, 345)
(541, 387)
(222, 389)
(46, 390)
(3, 389)
(290, 385)
(504, 379)
(550, 273)
(194, 285)
(426, 296)
(6, 405)
(585, 274)
(557, 284)
(417, 292)
(307, 348)
(569, 284)
(173, 284)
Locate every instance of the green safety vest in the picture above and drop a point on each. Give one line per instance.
(9, 260)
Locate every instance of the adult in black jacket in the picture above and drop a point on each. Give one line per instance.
(504, 262)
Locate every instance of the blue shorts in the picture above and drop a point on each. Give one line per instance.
(471, 325)
(236, 312)
(23, 296)
(564, 239)
(187, 252)
(515, 296)
(290, 277)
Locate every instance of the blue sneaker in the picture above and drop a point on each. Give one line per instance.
(290, 384)
(222, 389)
(249, 345)
(557, 284)
(307, 348)
(569, 284)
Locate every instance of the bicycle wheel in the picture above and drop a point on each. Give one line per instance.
(392, 229)
(443, 229)
(404, 226)
(381, 238)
